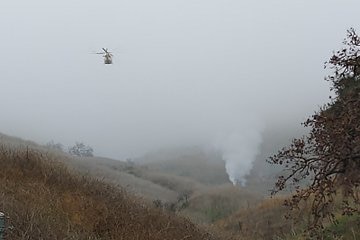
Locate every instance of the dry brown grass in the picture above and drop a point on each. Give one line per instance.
(266, 221)
(116, 172)
(44, 200)
(209, 205)
(263, 221)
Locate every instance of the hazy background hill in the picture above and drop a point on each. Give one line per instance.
(203, 165)
(166, 173)
(262, 176)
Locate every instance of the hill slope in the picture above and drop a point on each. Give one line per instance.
(44, 200)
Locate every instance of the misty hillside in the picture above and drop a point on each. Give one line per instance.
(110, 170)
(165, 176)
(159, 176)
(262, 176)
(122, 174)
(43, 199)
(206, 167)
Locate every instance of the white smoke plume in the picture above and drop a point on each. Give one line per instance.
(239, 150)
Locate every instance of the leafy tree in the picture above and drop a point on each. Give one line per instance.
(81, 150)
(56, 146)
(326, 163)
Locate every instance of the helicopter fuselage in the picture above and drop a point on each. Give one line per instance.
(107, 56)
(107, 60)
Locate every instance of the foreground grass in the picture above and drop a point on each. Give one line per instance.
(210, 205)
(44, 200)
(266, 221)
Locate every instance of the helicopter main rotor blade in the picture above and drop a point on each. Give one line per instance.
(96, 53)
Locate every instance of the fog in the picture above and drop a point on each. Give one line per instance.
(199, 72)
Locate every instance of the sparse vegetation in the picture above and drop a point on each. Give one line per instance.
(345, 227)
(261, 221)
(81, 150)
(207, 168)
(209, 205)
(328, 159)
(44, 200)
(55, 146)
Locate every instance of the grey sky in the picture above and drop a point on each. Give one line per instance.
(184, 72)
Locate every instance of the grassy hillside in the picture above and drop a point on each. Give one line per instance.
(266, 221)
(263, 221)
(122, 174)
(209, 205)
(205, 167)
(44, 200)
(51, 195)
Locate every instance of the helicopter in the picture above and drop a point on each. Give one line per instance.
(107, 56)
